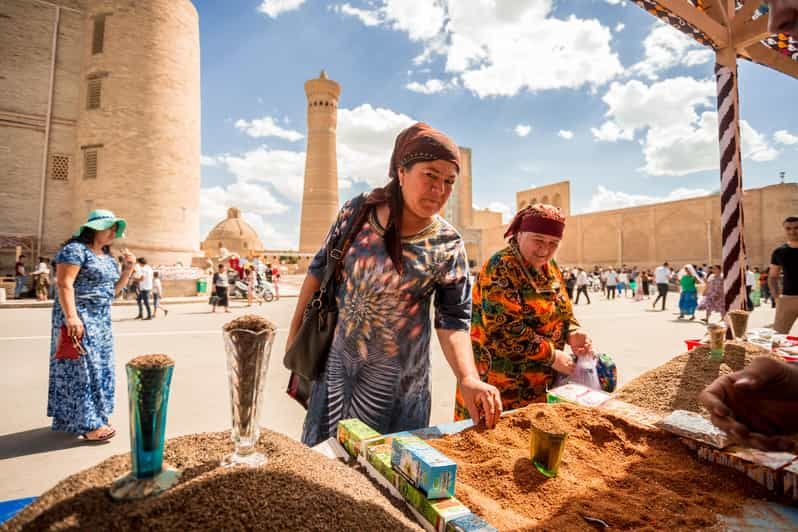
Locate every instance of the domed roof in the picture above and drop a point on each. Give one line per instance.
(233, 230)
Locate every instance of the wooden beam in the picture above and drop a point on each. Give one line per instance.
(763, 55)
(747, 33)
(717, 10)
(716, 32)
(745, 13)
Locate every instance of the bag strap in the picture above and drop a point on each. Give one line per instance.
(336, 251)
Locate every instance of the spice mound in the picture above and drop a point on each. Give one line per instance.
(630, 477)
(676, 384)
(250, 322)
(151, 362)
(297, 490)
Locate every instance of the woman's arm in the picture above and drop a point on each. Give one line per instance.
(65, 279)
(309, 287)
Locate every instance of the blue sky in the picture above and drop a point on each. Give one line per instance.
(593, 91)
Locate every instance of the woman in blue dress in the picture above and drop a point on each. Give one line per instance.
(81, 391)
(404, 261)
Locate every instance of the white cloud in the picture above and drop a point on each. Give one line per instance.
(207, 160)
(783, 136)
(506, 210)
(681, 137)
(271, 237)
(666, 47)
(619, 27)
(565, 134)
(267, 127)
(522, 130)
(284, 170)
(604, 199)
(501, 48)
(275, 8)
(431, 86)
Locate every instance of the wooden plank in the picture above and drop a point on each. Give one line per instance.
(698, 19)
(745, 13)
(763, 55)
(747, 33)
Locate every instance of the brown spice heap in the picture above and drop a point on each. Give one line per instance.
(151, 362)
(297, 490)
(631, 477)
(250, 322)
(676, 384)
(739, 322)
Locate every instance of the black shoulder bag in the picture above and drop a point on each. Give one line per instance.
(307, 355)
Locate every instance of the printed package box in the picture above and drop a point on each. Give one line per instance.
(469, 523)
(695, 427)
(427, 468)
(631, 412)
(437, 512)
(577, 394)
(356, 436)
(379, 456)
(765, 468)
(791, 480)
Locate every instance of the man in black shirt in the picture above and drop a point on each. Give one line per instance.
(785, 260)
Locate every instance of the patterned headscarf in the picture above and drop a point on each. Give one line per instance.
(421, 142)
(538, 218)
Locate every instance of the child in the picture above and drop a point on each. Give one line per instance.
(157, 290)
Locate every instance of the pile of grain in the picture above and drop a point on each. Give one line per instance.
(676, 384)
(145, 362)
(631, 477)
(297, 490)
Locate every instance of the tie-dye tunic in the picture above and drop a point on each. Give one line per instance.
(516, 325)
(378, 366)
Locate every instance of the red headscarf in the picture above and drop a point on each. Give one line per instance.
(538, 218)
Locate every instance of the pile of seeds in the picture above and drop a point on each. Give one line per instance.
(630, 477)
(151, 362)
(297, 490)
(676, 384)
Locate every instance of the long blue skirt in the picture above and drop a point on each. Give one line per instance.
(688, 301)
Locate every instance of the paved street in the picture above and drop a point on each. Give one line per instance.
(32, 458)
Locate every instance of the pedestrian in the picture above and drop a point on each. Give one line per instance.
(764, 288)
(603, 281)
(688, 299)
(519, 346)
(750, 281)
(145, 277)
(612, 283)
(41, 279)
(581, 285)
(713, 299)
(221, 287)
(276, 282)
(19, 277)
(157, 295)
(645, 281)
(662, 277)
(403, 260)
(81, 391)
(252, 284)
(570, 283)
(623, 281)
(633, 283)
(784, 260)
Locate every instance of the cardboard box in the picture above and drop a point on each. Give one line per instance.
(577, 394)
(469, 523)
(356, 436)
(631, 412)
(790, 481)
(379, 456)
(427, 468)
(765, 468)
(437, 512)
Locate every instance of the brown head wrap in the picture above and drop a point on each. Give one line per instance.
(538, 218)
(418, 142)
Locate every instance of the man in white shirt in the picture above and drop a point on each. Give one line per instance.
(662, 275)
(612, 283)
(144, 278)
(750, 280)
(581, 285)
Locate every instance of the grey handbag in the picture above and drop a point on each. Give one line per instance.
(307, 355)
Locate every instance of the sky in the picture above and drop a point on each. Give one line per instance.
(593, 91)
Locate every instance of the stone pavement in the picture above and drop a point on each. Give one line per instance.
(32, 458)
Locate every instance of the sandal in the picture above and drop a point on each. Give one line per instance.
(104, 436)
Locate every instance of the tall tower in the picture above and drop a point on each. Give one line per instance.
(320, 195)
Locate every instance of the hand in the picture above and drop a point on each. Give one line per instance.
(74, 327)
(580, 343)
(758, 405)
(130, 258)
(563, 362)
(482, 400)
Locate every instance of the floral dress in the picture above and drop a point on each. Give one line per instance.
(81, 391)
(518, 321)
(378, 368)
(713, 295)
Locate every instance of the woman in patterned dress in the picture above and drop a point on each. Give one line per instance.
(403, 260)
(81, 391)
(712, 301)
(522, 316)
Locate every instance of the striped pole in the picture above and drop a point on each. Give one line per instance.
(731, 190)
